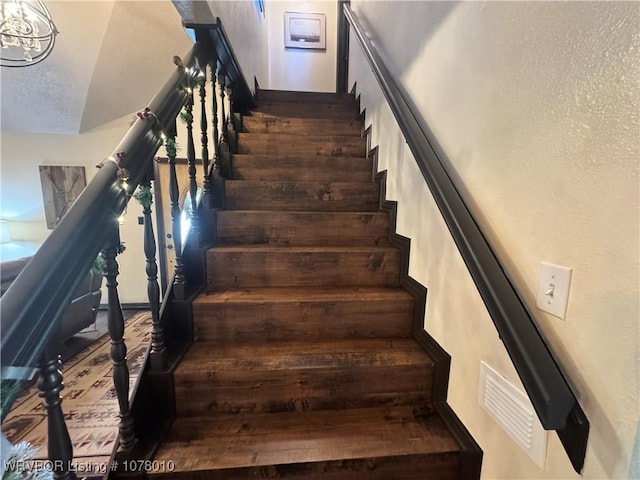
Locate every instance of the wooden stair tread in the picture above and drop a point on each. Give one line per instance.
(302, 228)
(302, 196)
(302, 294)
(243, 266)
(258, 315)
(302, 168)
(304, 160)
(300, 144)
(300, 249)
(249, 440)
(292, 355)
(283, 110)
(288, 376)
(292, 125)
(268, 103)
(301, 185)
(307, 138)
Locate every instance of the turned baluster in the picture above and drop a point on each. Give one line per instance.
(222, 77)
(225, 153)
(214, 110)
(191, 167)
(126, 434)
(158, 349)
(232, 134)
(179, 279)
(204, 139)
(60, 448)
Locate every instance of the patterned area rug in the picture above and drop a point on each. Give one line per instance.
(88, 401)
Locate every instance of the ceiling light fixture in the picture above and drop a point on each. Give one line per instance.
(27, 32)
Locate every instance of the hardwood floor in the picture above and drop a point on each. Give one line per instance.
(77, 343)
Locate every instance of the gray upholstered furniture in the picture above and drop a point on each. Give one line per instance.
(81, 311)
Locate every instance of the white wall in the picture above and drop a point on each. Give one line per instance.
(301, 69)
(536, 106)
(246, 28)
(151, 32)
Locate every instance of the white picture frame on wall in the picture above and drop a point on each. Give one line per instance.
(305, 30)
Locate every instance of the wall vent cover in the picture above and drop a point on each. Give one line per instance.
(512, 409)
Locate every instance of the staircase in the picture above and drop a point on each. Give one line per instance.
(304, 364)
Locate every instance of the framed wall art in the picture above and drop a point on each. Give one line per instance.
(305, 30)
(61, 185)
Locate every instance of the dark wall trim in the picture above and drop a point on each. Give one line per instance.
(470, 452)
(342, 70)
(542, 377)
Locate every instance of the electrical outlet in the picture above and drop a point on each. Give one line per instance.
(553, 289)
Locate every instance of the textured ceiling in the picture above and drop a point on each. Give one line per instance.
(110, 58)
(194, 11)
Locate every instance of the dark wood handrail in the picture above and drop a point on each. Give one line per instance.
(543, 379)
(33, 305)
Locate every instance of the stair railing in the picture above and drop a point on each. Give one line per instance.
(542, 377)
(32, 307)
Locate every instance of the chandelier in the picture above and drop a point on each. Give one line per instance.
(27, 33)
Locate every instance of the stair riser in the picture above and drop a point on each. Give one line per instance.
(291, 228)
(298, 110)
(304, 97)
(442, 466)
(229, 323)
(259, 143)
(312, 269)
(316, 197)
(302, 169)
(263, 391)
(301, 126)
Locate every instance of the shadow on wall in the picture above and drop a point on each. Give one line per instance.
(422, 19)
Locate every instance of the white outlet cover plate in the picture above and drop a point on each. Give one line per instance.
(555, 279)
